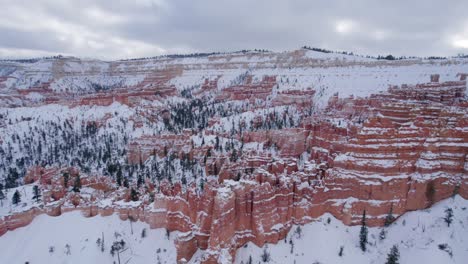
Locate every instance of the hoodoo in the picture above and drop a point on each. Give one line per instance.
(227, 149)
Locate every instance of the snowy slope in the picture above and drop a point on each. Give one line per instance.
(417, 235)
(33, 242)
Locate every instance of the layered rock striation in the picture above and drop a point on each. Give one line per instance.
(270, 157)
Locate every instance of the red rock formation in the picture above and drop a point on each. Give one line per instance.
(404, 149)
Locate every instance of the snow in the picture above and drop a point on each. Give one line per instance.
(417, 235)
(32, 243)
(27, 202)
(327, 73)
(335, 56)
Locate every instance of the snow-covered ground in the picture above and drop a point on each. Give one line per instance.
(417, 235)
(45, 240)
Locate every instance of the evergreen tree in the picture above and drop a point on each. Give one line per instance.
(393, 256)
(238, 176)
(16, 198)
(125, 182)
(202, 184)
(216, 146)
(363, 233)
(233, 155)
(382, 234)
(2, 195)
(77, 184)
(36, 193)
(265, 255)
(117, 247)
(102, 243)
(448, 216)
(119, 176)
(133, 195)
(340, 253)
(139, 180)
(66, 177)
(389, 218)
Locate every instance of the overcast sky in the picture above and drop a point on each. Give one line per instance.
(138, 28)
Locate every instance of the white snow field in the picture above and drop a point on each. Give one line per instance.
(33, 243)
(417, 234)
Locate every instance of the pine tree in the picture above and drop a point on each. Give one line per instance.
(340, 253)
(265, 255)
(233, 155)
(77, 184)
(2, 195)
(36, 193)
(133, 195)
(119, 176)
(216, 146)
(389, 218)
(202, 184)
(363, 233)
(117, 247)
(139, 180)
(66, 177)
(393, 256)
(448, 216)
(382, 234)
(16, 198)
(102, 243)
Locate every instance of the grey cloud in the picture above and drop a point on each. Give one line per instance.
(147, 28)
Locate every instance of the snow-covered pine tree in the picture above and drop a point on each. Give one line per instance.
(393, 256)
(363, 233)
(139, 180)
(133, 195)
(16, 197)
(265, 256)
(119, 177)
(36, 193)
(66, 177)
(448, 216)
(2, 194)
(102, 243)
(77, 184)
(340, 253)
(382, 234)
(389, 218)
